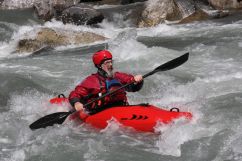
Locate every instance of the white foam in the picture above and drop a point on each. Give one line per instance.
(131, 49)
(18, 155)
(113, 126)
(105, 6)
(222, 78)
(71, 27)
(6, 48)
(240, 44)
(162, 30)
(173, 136)
(33, 103)
(5, 141)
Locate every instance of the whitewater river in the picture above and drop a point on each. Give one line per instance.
(209, 85)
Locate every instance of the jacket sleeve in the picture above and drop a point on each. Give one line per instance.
(78, 94)
(85, 90)
(135, 87)
(128, 78)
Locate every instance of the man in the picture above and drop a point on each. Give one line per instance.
(105, 80)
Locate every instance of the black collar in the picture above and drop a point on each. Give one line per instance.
(102, 73)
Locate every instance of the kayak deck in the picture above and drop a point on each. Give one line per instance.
(141, 118)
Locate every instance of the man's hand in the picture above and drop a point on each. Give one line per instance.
(138, 78)
(78, 106)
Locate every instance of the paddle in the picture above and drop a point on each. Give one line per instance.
(59, 117)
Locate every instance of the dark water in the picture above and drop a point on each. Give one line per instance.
(208, 85)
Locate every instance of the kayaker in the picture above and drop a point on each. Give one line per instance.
(105, 80)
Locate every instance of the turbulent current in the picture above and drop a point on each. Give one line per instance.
(209, 85)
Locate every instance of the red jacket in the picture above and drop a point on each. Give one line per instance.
(96, 83)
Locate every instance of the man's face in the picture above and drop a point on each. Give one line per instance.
(107, 66)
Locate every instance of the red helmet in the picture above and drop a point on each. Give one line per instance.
(99, 57)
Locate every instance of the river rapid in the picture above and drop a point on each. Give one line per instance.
(209, 85)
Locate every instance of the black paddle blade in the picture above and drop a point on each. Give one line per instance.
(173, 63)
(169, 65)
(50, 120)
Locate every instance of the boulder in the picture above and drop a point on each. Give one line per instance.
(46, 9)
(226, 4)
(177, 11)
(28, 45)
(111, 2)
(209, 10)
(81, 14)
(19, 4)
(157, 11)
(47, 37)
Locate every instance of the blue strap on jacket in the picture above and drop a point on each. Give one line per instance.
(111, 83)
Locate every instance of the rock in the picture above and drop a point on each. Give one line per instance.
(68, 11)
(81, 14)
(157, 11)
(49, 38)
(124, 2)
(89, 1)
(190, 12)
(186, 8)
(130, 14)
(41, 50)
(28, 45)
(177, 11)
(209, 10)
(111, 2)
(226, 4)
(46, 9)
(196, 16)
(102, 2)
(19, 4)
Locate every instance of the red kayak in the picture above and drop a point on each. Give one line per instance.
(140, 117)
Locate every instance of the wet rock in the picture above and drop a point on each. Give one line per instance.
(196, 16)
(89, 1)
(177, 11)
(19, 4)
(157, 12)
(186, 8)
(124, 2)
(28, 45)
(111, 2)
(49, 38)
(190, 12)
(46, 9)
(226, 4)
(123, 15)
(209, 10)
(82, 14)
